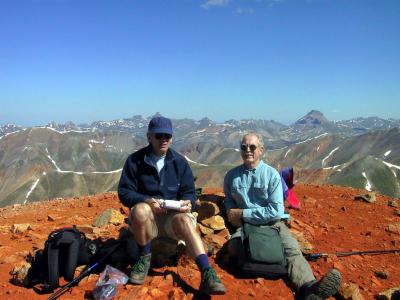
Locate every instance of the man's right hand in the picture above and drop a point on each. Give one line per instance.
(235, 216)
(155, 206)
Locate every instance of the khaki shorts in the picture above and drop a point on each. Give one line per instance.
(162, 227)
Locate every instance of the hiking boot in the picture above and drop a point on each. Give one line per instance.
(140, 269)
(324, 288)
(210, 283)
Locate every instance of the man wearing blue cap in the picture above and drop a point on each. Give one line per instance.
(158, 185)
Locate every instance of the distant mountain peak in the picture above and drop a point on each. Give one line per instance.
(206, 119)
(137, 117)
(157, 114)
(204, 123)
(313, 118)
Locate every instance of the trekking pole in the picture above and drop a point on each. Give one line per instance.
(315, 256)
(83, 274)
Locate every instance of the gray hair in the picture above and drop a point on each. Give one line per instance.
(258, 136)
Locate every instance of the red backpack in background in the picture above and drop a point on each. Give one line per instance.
(287, 185)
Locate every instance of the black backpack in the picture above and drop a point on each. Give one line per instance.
(64, 250)
(68, 248)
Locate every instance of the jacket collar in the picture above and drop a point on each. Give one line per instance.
(253, 170)
(168, 157)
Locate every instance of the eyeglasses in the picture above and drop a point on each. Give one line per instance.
(160, 136)
(244, 147)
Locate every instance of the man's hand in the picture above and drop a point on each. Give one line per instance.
(235, 216)
(155, 206)
(186, 206)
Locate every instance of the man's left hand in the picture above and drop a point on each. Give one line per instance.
(186, 206)
(235, 216)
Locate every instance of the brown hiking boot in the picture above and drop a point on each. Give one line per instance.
(140, 269)
(210, 283)
(324, 288)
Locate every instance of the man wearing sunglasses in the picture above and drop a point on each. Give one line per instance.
(158, 185)
(254, 195)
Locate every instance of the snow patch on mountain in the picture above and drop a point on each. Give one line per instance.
(329, 155)
(7, 134)
(313, 138)
(334, 167)
(31, 190)
(199, 131)
(197, 163)
(97, 142)
(61, 132)
(391, 165)
(79, 173)
(109, 172)
(387, 153)
(52, 161)
(234, 149)
(368, 184)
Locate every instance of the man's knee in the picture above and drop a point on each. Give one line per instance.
(292, 248)
(140, 213)
(182, 224)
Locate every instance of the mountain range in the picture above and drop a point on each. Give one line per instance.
(64, 160)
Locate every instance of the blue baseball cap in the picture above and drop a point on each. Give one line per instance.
(160, 125)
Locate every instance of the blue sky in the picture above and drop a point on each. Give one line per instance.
(86, 60)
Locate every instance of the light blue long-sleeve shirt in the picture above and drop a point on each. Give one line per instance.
(257, 191)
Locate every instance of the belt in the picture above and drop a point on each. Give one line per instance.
(273, 222)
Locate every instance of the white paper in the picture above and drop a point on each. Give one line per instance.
(171, 204)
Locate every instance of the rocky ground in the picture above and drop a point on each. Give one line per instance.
(329, 220)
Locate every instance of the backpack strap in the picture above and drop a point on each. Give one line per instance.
(52, 265)
(72, 257)
(69, 239)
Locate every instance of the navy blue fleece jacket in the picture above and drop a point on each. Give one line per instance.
(140, 181)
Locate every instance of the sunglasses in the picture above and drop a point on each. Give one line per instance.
(244, 147)
(160, 136)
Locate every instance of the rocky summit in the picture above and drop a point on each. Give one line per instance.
(330, 219)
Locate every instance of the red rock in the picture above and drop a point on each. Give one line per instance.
(156, 281)
(350, 291)
(219, 241)
(205, 230)
(156, 293)
(169, 279)
(51, 218)
(20, 228)
(138, 292)
(394, 228)
(214, 222)
(376, 282)
(223, 233)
